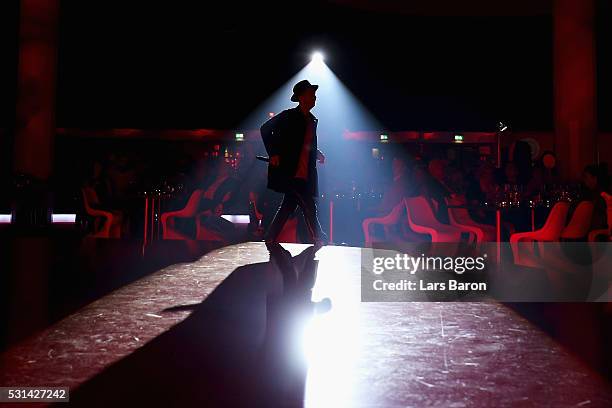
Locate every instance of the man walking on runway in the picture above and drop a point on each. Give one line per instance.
(290, 139)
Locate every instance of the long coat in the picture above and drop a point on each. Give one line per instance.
(283, 136)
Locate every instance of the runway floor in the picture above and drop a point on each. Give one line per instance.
(232, 329)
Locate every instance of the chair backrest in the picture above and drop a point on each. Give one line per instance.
(551, 231)
(580, 223)
(459, 216)
(608, 199)
(420, 212)
(90, 197)
(191, 208)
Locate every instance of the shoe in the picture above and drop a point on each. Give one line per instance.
(322, 306)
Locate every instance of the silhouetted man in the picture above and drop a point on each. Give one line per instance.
(291, 142)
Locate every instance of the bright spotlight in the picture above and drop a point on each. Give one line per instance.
(317, 57)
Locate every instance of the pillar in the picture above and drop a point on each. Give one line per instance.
(575, 96)
(35, 111)
(35, 126)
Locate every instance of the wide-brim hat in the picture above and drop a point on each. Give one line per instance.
(300, 87)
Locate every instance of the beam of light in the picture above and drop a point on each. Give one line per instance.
(337, 109)
(5, 218)
(317, 58)
(352, 168)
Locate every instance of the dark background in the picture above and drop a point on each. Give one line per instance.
(209, 64)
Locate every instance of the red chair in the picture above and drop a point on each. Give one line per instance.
(580, 223)
(105, 223)
(550, 232)
(189, 211)
(596, 234)
(423, 221)
(392, 218)
(207, 234)
(460, 218)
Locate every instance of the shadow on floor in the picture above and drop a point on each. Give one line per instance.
(239, 347)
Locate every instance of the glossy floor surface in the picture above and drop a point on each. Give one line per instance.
(234, 328)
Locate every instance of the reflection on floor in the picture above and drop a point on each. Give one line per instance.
(235, 329)
(47, 276)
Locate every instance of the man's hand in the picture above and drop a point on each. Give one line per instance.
(275, 161)
(320, 157)
(218, 210)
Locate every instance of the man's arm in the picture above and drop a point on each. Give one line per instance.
(320, 156)
(267, 131)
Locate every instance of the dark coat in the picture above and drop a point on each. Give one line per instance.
(283, 136)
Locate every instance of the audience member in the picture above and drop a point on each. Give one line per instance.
(398, 189)
(595, 180)
(436, 190)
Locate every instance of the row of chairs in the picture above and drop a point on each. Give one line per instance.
(421, 219)
(108, 224)
(523, 245)
(578, 228)
(191, 210)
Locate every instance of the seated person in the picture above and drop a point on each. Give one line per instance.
(595, 180)
(219, 190)
(436, 190)
(215, 198)
(398, 189)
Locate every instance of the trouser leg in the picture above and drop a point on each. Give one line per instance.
(285, 210)
(309, 209)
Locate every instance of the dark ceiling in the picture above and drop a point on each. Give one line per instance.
(427, 64)
(210, 65)
(454, 7)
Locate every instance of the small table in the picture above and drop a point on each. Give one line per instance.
(499, 210)
(152, 215)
